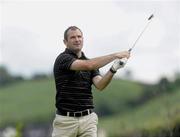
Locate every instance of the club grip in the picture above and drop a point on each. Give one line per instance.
(121, 62)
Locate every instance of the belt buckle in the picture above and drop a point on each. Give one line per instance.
(78, 114)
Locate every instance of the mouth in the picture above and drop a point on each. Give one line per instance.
(77, 44)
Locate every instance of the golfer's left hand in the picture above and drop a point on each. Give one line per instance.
(119, 63)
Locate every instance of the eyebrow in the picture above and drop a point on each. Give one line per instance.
(75, 36)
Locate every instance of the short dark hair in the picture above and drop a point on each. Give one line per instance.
(70, 28)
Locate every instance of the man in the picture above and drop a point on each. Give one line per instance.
(74, 74)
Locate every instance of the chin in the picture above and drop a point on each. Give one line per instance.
(78, 48)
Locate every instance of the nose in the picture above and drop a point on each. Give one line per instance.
(77, 39)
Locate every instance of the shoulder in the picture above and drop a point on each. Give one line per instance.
(64, 60)
(63, 56)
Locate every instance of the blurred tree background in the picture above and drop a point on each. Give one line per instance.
(126, 108)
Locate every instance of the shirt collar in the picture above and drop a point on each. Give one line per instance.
(72, 53)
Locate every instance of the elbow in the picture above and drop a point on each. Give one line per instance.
(100, 88)
(89, 66)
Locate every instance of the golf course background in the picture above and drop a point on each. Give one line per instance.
(125, 108)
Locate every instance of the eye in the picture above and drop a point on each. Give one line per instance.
(79, 36)
(73, 37)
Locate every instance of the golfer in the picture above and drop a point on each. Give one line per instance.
(74, 75)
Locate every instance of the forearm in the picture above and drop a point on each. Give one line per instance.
(98, 62)
(104, 81)
(101, 82)
(92, 64)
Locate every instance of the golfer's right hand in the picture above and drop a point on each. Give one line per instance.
(123, 54)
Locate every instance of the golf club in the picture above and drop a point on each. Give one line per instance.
(149, 20)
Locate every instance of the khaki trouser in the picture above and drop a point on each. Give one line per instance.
(86, 126)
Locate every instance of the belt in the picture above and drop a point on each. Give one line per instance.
(75, 114)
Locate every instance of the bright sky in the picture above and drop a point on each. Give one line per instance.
(32, 34)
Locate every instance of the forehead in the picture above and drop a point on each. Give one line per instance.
(73, 32)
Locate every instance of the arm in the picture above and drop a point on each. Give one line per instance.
(98, 62)
(101, 82)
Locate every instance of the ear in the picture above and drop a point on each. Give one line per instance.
(65, 42)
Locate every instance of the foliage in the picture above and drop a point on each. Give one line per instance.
(156, 115)
(116, 97)
(19, 128)
(33, 101)
(28, 101)
(6, 78)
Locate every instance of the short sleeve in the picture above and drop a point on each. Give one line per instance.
(95, 73)
(64, 61)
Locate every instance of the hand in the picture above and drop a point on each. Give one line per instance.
(119, 63)
(123, 62)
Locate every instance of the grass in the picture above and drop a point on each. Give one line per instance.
(33, 101)
(116, 95)
(27, 101)
(160, 112)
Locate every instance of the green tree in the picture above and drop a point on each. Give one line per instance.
(5, 77)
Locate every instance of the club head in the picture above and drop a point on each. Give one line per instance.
(151, 17)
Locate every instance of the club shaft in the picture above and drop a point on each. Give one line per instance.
(149, 20)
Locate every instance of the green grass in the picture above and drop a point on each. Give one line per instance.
(161, 112)
(33, 101)
(27, 101)
(116, 95)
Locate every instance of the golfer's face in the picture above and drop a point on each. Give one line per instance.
(74, 40)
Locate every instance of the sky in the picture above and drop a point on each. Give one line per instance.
(31, 34)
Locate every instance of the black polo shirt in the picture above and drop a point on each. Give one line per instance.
(73, 88)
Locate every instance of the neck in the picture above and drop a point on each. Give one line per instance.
(79, 54)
